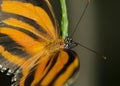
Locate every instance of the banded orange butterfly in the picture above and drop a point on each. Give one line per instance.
(32, 51)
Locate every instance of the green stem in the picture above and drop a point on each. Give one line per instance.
(64, 21)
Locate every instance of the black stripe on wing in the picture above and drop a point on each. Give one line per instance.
(29, 21)
(72, 56)
(11, 46)
(30, 77)
(51, 62)
(44, 5)
(22, 30)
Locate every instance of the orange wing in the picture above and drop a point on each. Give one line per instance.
(23, 24)
(25, 32)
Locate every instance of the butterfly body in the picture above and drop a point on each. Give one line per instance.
(31, 46)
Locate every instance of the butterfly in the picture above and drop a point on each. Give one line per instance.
(31, 46)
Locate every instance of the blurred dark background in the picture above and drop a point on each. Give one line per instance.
(99, 30)
(109, 27)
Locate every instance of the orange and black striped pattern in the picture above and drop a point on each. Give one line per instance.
(31, 46)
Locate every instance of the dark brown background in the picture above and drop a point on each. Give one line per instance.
(99, 30)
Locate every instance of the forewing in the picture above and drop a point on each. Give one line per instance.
(26, 26)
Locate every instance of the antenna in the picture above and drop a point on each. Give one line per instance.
(76, 27)
(97, 53)
(71, 44)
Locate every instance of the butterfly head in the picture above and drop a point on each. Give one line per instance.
(69, 43)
